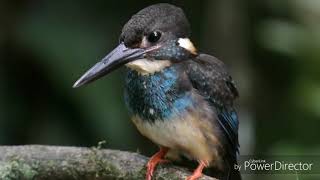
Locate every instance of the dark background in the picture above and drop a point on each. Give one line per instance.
(272, 49)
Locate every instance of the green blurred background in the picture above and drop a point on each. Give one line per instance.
(272, 49)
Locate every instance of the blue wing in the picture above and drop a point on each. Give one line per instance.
(210, 78)
(228, 120)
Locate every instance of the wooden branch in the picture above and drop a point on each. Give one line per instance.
(55, 162)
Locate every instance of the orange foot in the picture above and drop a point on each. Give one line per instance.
(198, 172)
(154, 160)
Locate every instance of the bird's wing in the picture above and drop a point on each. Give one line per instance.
(210, 78)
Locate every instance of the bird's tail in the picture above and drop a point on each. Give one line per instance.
(233, 175)
(230, 174)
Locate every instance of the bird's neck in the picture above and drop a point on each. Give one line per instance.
(155, 96)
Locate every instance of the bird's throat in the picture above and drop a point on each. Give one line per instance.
(148, 66)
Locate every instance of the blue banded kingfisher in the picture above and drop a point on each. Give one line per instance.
(179, 98)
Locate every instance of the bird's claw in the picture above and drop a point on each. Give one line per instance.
(151, 166)
(154, 160)
(198, 172)
(194, 176)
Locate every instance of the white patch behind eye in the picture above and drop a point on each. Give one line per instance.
(148, 66)
(187, 44)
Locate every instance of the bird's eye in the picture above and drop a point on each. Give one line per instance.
(154, 36)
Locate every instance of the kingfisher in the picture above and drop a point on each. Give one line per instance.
(179, 98)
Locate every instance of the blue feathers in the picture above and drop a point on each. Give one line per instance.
(228, 120)
(182, 103)
(155, 96)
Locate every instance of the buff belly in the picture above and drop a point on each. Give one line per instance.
(188, 136)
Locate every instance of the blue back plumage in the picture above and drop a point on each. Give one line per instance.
(155, 96)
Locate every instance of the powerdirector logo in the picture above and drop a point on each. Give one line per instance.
(278, 164)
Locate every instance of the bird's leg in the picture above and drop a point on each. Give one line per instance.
(154, 160)
(197, 173)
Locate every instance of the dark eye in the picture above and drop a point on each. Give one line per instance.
(154, 36)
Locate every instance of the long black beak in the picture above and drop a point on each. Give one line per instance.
(119, 56)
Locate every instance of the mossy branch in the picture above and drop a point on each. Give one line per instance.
(56, 162)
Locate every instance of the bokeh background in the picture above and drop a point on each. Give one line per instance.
(272, 49)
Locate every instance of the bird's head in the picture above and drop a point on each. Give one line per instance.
(153, 39)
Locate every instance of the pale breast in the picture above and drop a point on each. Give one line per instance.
(185, 134)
